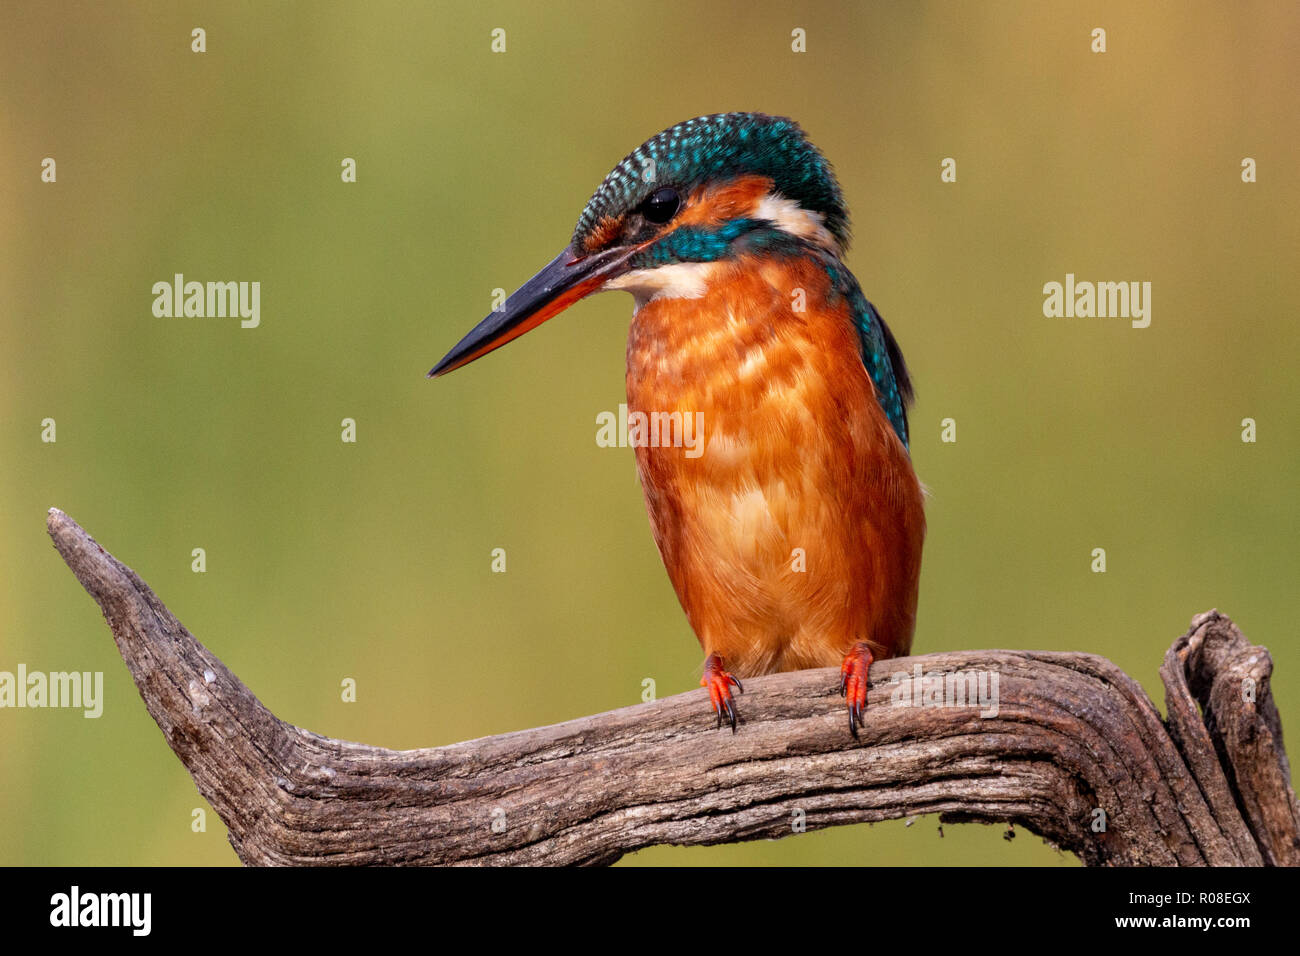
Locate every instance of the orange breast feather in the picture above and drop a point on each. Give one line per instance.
(798, 529)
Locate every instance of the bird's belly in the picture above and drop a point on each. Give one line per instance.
(745, 575)
(794, 530)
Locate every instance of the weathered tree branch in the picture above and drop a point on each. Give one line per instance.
(1077, 753)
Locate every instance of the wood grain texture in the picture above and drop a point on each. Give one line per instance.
(1073, 735)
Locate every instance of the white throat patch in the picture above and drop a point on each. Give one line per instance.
(680, 280)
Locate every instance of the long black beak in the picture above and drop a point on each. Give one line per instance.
(568, 278)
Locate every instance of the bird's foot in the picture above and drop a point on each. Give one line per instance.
(853, 682)
(719, 683)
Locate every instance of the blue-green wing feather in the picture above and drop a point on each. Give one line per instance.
(880, 351)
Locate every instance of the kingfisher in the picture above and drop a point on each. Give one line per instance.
(793, 534)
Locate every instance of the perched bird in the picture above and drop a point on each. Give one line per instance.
(793, 535)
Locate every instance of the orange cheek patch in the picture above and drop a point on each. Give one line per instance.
(714, 205)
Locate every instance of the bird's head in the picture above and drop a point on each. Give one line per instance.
(706, 190)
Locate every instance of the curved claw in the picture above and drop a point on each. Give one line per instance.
(719, 683)
(854, 674)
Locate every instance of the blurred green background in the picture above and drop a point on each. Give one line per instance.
(371, 560)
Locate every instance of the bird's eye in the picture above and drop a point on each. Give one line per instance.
(662, 205)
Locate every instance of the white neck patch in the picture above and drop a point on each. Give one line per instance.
(788, 216)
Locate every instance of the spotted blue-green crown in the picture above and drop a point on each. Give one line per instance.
(718, 147)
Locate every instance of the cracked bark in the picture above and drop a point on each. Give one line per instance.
(1075, 742)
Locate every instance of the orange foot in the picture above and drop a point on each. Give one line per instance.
(719, 682)
(853, 682)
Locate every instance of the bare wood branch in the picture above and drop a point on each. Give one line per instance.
(1076, 753)
(1229, 677)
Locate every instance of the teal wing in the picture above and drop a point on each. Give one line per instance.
(880, 352)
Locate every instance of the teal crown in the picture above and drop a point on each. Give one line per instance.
(717, 148)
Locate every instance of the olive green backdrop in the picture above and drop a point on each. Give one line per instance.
(371, 560)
